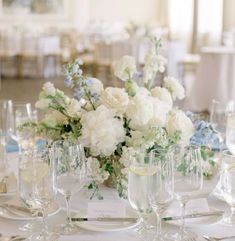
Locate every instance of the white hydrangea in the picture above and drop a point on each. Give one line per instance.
(49, 89)
(43, 103)
(74, 108)
(175, 88)
(115, 98)
(178, 121)
(128, 156)
(125, 68)
(54, 118)
(140, 111)
(101, 131)
(94, 169)
(162, 94)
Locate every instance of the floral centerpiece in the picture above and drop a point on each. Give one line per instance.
(111, 122)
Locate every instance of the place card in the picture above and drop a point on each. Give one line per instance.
(106, 209)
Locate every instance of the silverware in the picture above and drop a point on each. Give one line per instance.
(211, 238)
(194, 215)
(105, 219)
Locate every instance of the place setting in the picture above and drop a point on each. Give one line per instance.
(118, 139)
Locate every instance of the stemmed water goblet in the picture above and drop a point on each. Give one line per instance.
(20, 113)
(218, 118)
(69, 171)
(36, 189)
(188, 180)
(228, 185)
(142, 172)
(161, 187)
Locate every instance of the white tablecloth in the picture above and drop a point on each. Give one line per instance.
(79, 204)
(215, 78)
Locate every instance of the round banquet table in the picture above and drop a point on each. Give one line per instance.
(215, 78)
(79, 204)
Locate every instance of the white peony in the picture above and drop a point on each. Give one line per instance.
(125, 68)
(101, 131)
(74, 108)
(54, 118)
(140, 111)
(43, 103)
(175, 88)
(162, 94)
(178, 121)
(115, 98)
(96, 86)
(49, 89)
(97, 173)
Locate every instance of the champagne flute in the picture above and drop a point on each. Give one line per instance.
(161, 187)
(188, 179)
(228, 185)
(142, 173)
(69, 171)
(36, 188)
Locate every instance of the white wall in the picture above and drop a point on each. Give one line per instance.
(139, 11)
(79, 13)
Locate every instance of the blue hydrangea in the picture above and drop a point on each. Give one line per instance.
(205, 135)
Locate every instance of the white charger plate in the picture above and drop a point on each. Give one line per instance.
(100, 226)
(20, 216)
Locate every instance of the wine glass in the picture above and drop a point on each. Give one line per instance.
(228, 185)
(36, 188)
(230, 133)
(218, 118)
(69, 171)
(20, 113)
(142, 172)
(161, 187)
(188, 179)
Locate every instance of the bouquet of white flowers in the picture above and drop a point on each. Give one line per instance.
(112, 123)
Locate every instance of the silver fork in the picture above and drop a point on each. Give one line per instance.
(210, 238)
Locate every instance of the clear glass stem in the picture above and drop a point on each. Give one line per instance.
(159, 224)
(182, 228)
(44, 224)
(67, 198)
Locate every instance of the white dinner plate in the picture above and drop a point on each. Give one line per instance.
(200, 221)
(20, 216)
(100, 226)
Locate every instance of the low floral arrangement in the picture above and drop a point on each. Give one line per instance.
(112, 123)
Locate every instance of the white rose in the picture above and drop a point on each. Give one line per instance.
(74, 108)
(125, 68)
(54, 118)
(175, 88)
(43, 103)
(101, 131)
(128, 156)
(96, 86)
(115, 98)
(178, 121)
(49, 89)
(162, 94)
(140, 111)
